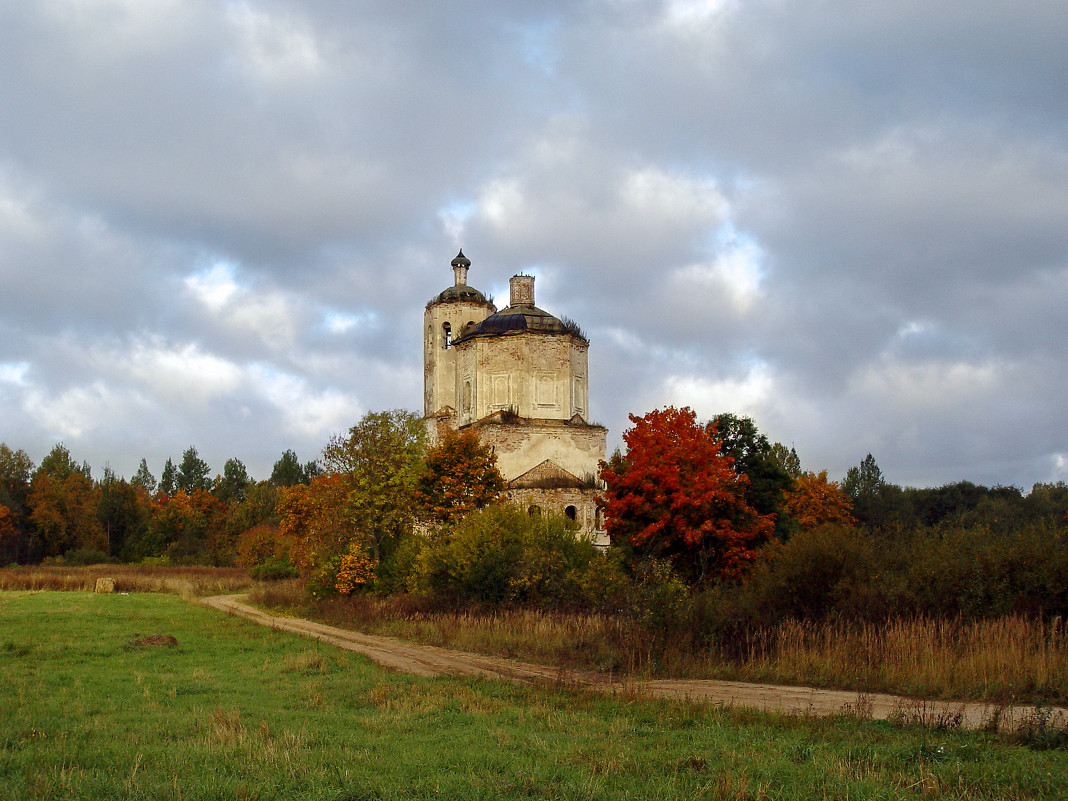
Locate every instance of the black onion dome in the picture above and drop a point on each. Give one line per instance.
(461, 260)
(515, 319)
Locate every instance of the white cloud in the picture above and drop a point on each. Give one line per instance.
(176, 371)
(276, 47)
(849, 223)
(687, 14)
(734, 274)
(270, 316)
(666, 198)
(751, 393)
(112, 29)
(338, 323)
(305, 409)
(924, 387)
(80, 410)
(213, 286)
(1060, 467)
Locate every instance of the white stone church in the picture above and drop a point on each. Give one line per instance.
(520, 378)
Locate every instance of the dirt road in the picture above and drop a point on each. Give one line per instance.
(427, 660)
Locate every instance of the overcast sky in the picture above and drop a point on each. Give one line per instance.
(220, 222)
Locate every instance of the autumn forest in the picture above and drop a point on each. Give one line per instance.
(711, 524)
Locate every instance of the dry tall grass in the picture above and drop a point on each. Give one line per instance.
(187, 582)
(1004, 659)
(999, 659)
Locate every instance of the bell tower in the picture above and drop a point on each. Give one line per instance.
(446, 317)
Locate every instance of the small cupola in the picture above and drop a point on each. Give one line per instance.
(459, 268)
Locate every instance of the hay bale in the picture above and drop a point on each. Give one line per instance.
(105, 585)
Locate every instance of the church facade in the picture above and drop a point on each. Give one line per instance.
(519, 377)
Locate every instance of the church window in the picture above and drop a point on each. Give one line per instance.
(446, 331)
(534, 510)
(467, 397)
(571, 512)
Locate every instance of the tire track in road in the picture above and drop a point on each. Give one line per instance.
(429, 660)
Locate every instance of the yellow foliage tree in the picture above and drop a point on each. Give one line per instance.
(357, 569)
(814, 500)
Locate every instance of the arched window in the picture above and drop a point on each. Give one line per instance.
(446, 331)
(571, 512)
(534, 510)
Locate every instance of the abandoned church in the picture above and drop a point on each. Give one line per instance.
(519, 378)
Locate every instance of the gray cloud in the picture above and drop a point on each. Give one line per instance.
(219, 222)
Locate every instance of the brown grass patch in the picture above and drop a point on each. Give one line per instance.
(186, 582)
(155, 641)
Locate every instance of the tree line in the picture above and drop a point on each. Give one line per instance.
(710, 523)
(57, 510)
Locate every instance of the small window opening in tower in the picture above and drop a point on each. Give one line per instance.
(446, 330)
(571, 512)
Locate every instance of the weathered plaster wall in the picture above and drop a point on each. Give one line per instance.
(519, 447)
(539, 376)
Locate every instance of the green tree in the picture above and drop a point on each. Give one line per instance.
(755, 458)
(787, 459)
(288, 471)
(502, 555)
(59, 465)
(193, 472)
(10, 534)
(234, 482)
(168, 480)
(876, 504)
(144, 478)
(123, 510)
(461, 475)
(863, 481)
(379, 462)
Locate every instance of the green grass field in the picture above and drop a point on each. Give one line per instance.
(235, 711)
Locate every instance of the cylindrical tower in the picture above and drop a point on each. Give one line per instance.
(446, 316)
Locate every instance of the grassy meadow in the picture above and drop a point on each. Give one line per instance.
(96, 704)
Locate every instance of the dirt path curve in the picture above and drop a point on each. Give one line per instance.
(428, 660)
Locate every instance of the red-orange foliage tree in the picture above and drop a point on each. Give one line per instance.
(461, 475)
(673, 495)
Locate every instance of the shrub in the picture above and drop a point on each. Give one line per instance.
(355, 570)
(827, 570)
(273, 570)
(87, 556)
(502, 555)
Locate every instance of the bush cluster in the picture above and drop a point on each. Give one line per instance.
(503, 557)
